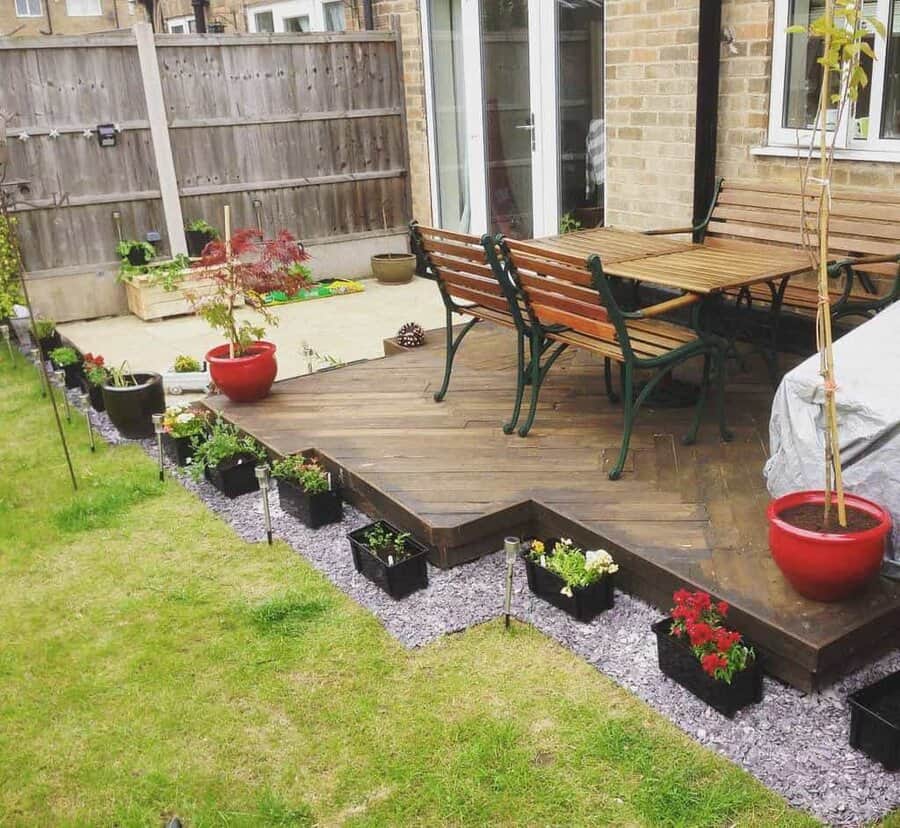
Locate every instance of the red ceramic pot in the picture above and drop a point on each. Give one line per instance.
(246, 378)
(822, 566)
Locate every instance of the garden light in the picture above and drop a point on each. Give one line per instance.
(262, 475)
(36, 357)
(60, 377)
(158, 429)
(511, 547)
(4, 332)
(86, 402)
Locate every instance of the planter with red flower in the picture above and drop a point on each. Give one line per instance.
(94, 376)
(696, 650)
(245, 267)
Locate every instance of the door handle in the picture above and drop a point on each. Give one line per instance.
(530, 127)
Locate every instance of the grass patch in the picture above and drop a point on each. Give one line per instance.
(155, 664)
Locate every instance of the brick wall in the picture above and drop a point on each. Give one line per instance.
(116, 14)
(414, 79)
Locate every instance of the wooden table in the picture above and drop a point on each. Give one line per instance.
(611, 244)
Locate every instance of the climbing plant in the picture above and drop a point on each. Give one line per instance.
(10, 291)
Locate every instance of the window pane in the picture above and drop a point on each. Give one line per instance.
(334, 16)
(28, 8)
(176, 28)
(83, 8)
(803, 75)
(297, 24)
(890, 119)
(448, 86)
(265, 21)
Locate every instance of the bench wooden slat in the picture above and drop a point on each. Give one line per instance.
(489, 301)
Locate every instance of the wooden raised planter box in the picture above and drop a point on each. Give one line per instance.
(148, 301)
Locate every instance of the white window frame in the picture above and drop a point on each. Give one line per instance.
(98, 5)
(343, 6)
(285, 9)
(40, 6)
(184, 21)
(784, 141)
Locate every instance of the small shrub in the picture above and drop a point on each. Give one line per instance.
(223, 443)
(186, 365)
(63, 357)
(308, 475)
(44, 328)
(185, 421)
(577, 568)
(95, 369)
(391, 547)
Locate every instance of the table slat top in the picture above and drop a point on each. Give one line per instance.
(611, 244)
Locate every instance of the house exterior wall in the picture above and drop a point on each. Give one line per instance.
(115, 14)
(233, 13)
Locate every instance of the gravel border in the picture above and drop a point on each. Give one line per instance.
(793, 742)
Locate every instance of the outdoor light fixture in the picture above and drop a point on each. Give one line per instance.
(106, 135)
(262, 475)
(86, 402)
(511, 547)
(4, 332)
(158, 428)
(36, 358)
(61, 381)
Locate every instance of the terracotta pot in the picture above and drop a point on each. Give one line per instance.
(131, 408)
(246, 378)
(822, 566)
(394, 268)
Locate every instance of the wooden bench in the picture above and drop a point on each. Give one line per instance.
(864, 242)
(457, 263)
(571, 303)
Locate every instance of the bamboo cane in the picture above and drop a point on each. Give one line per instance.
(228, 265)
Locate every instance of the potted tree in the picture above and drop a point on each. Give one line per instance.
(68, 360)
(389, 558)
(246, 267)
(227, 459)
(696, 650)
(829, 544)
(131, 399)
(184, 428)
(306, 493)
(95, 376)
(199, 233)
(577, 582)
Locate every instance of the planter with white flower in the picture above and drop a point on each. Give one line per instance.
(389, 558)
(696, 650)
(577, 582)
(227, 459)
(184, 427)
(305, 491)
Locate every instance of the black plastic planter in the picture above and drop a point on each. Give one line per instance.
(585, 603)
(73, 373)
(398, 580)
(196, 241)
(678, 662)
(179, 449)
(236, 476)
(875, 721)
(48, 344)
(95, 392)
(137, 257)
(131, 408)
(314, 510)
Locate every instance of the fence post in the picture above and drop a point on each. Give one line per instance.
(159, 134)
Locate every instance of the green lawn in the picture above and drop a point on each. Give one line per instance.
(153, 663)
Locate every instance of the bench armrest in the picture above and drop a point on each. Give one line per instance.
(671, 231)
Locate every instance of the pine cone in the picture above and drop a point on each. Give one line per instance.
(411, 335)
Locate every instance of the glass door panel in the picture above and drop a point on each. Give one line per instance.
(508, 120)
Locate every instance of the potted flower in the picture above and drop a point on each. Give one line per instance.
(696, 650)
(183, 425)
(829, 544)
(94, 377)
(579, 583)
(199, 233)
(389, 558)
(306, 493)
(135, 253)
(246, 267)
(227, 459)
(187, 374)
(48, 337)
(68, 360)
(131, 399)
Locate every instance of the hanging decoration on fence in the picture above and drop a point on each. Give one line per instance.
(54, 133)
(24, 136)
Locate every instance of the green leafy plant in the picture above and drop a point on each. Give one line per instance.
(167, 275)
(391, 547)
(121, 377)
(95, 369)
(10, 287)
(186, 365)
(307, 474)
(569, 224)
(126, 246)
(202, 226)
(577, 568)
(63, 357)
(44, 328)
(185, 421)
(222, 443)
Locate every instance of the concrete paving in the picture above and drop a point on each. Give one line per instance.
(347, 328)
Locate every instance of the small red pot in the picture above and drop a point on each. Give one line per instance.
(246, 378)
(821, 566)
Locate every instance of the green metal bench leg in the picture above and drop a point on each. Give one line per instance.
(451, 352)
(630, 410)
(607, 378)
(510, 427)
(538, 374)
(721, 377)
(691, 437)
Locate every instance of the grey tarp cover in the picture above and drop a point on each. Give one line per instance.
(867, 365)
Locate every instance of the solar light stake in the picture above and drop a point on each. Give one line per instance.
(262, 475)
(4, 332)
(36, 356)
(86, 402)
(511, 547)
(61, 379)
(158, 428)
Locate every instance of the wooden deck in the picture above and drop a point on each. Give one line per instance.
(680, 515)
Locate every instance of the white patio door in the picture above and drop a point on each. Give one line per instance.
(507, 145)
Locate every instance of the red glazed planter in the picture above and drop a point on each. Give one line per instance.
(246, 378)
(822, 566)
